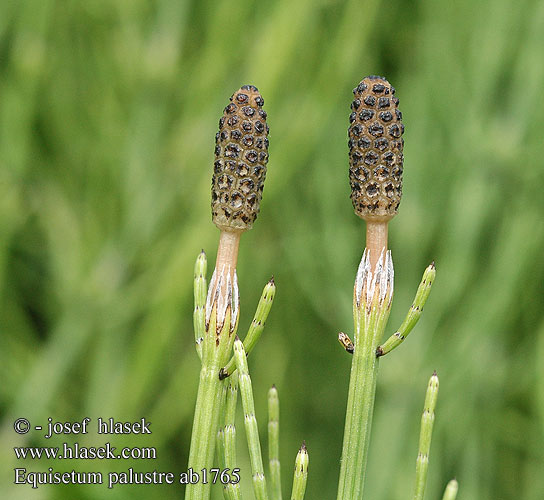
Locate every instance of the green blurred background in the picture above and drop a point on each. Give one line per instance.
(108, 111)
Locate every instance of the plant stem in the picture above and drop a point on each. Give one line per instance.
(362, 387)
(220, 443)
(252, 431)
(300, 476)
(200, 292)
(206, 418)
(451, 490)
(256, 327)
(274, 443)
(233, 489)
(425, 436)
(227, 438)
(414, 313)
(227, 251)
(376, 239)
(372, 303)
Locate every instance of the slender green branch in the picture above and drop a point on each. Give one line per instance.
(414, 313)
(301, 473)
(346, 342)
(257, 325)
(425, 436)
(232, 489)
(226, 437)
(252, 431)
(451, 490)
(220, 443)
(373, 294)
(200, 292)
(274, 443)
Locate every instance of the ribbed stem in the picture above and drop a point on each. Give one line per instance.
(205, 423)
(200, 292)
(232, 489)
(362, 388)
(257, 325)
(252, 431)
(372, 302)
(414, 313)
(300, 476)
(220, 443)
(451, 490)
(274, 443)
(425, 436)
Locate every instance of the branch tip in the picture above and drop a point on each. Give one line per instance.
(346, 342)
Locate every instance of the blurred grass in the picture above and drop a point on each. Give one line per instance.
(107, 115)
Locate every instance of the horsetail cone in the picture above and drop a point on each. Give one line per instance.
(375, 150)
(241, 155)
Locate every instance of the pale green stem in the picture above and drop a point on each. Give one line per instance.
(200, 292)
(451, 490)
(425, 436)
(372, 303)
(414, 313)
(220, 443)
(226, 437)
(274, 443)
(257, 325)
(252, 432)
(232, 490)
(206, 418)
(301, 474)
